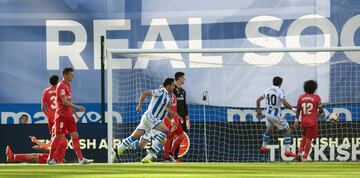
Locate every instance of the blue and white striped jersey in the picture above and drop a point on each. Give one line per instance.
(273, 97)
(157, 107)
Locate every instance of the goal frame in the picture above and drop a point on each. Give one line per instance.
(109, 73)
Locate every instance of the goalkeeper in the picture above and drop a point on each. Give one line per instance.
(182, 109)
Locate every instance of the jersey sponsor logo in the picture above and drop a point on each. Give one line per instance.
(62, 91)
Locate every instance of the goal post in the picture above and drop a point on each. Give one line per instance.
(223, 124)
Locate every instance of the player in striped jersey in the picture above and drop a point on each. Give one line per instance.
(275, 98)
(158, 108)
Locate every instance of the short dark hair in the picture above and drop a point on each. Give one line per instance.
(53, 79)
(168, 81)
(310, 86)
(277, 81)
(24, 115)
(178, 75)
(67, 70)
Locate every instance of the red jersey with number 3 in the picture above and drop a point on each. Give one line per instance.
(63, 89)
(49, 102)
(309, 104)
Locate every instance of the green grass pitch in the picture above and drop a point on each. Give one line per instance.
(170, 170)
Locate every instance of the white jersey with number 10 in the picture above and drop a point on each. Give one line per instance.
(273, 97)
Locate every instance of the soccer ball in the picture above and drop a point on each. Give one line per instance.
(334, 117)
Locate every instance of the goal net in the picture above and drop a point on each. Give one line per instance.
(222, 86)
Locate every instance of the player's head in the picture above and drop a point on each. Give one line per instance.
(68, 73)
(310, 86)
(180, 77)
(53, 79)
(24, 119)
(169, 84)
(277, 81)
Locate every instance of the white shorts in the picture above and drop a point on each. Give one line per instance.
(148, 122)
(279, 122)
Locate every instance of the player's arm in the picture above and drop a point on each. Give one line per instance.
(42, 148)
(258, 110)
(296, 123)
(65, 102)
(171, 114)
(37, 142)
(142, 97)
(286, 104)
(43, 103)
(186, 114)
(321, 109)
(297, 116)
(321, 112)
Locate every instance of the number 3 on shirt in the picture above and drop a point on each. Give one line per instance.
(53, 99)
(307, 108)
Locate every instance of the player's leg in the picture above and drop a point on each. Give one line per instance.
(51, 124)
(150, 156)
(159, 138)
(76, 146)
(180, 130)
(167, 145)
(176, 146)
(132, 142)
(75, 139)
(299, 155)
(287, 143)
(60, 153)
(41, 158)
(60, 130)
(283, 126)
(158, 142)
(169, 138)
(307, 148)
(11, 157)
(267, 134)
(311, 133)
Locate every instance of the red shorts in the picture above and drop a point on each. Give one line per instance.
(310, 132)
(65, 125)
(42, 158)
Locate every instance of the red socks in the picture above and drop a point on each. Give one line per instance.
(53, 148)
(176, 143)
(307, 149)
(167, 146)
(59, 146)
(23, 158)
(76, 145)
(302, 145)
(60, 150)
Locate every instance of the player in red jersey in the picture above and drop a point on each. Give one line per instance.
(40, 158)
(64, 120)
(307, 107)
(48, 101)
(176, 134)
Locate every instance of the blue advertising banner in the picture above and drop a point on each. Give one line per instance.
(11, 113)
(38, 38)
